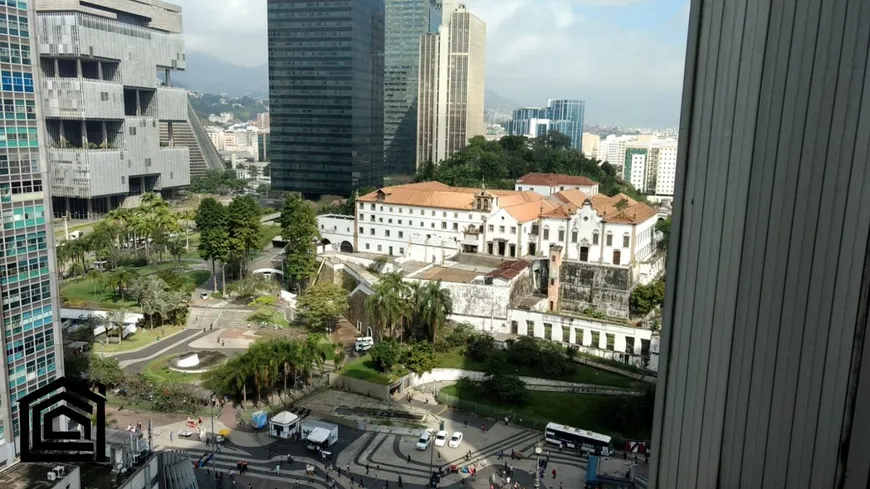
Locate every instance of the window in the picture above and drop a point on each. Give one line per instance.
(373, 218)
(401, 251)
(455, 226)
(362, 230)
(123, 179)
(380, 219)
(443, 214)
(608, 240)
(391, 209)
(574, 236)
(389, 221)
(546, 233)
(367, 246)
(132, 131)
(552, 281)
(401, 234)
(456, 215)
(595, 237)
(371, 206)
(372, 231)
(513, 230)
(501, 229)
(387, 233)
(490, 228)
(104, 96)
(433, 213)
(561, 235)
(16, 81)
(410, 223)
(379, 247)
(530, 328)
(489, 247)
(515, 327)
(147, 162)
(443, 225)
(548, 328)
(400, 222)
(584, 253)
(625, 241)
(432, 225)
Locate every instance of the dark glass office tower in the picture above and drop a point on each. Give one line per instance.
(326, 94)
(406, 21)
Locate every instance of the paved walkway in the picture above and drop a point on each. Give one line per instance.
(155, 349)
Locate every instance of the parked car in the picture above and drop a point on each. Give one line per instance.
(455, 440)
(425, 440)
(440, 438)
(204, 295)
(364, 343)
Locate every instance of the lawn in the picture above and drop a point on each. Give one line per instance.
(586, 411)
(269, 233)
(583, 374)
(156, 371)
(143, 337)
(363, 368)
(86, 292)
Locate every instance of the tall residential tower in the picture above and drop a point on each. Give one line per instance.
(452, 82)
(326, 95)
(31, 332)
(406, 21)
(101, 63)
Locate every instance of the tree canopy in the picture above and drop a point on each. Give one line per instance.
(218, 182)
(321, 305)
(299, 230)
(498, 164)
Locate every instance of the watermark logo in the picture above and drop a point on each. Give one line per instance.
(38, 414)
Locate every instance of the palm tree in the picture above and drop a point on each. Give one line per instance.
(94, 275)
(121, 278)
(116, 319)
(435, 305)
(77, 269)
(186, 216)
(389, 305)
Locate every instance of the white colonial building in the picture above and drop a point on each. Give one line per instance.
(548, 184)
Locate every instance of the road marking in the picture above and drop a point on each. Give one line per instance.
(441, 411)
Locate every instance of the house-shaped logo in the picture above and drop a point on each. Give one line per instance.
(39, 410)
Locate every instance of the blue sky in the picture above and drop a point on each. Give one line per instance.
(623, 57)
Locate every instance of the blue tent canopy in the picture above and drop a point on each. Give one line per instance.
(259, 419)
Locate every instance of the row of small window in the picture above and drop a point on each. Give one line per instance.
(18, 375)
(19, 137)
(15, 53)
(16, 350)
(8, 189)
(410, 210)
(19, 110)
(16, 81)
(380, 248)
(14, 25)
(15, 272)
(610, 338)
(24, 216)
(422, 224)
(23, 243)
(28, 320)
(21, 4)
(19, 164)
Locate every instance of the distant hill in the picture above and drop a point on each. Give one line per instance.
(209, 74)
(495, 101)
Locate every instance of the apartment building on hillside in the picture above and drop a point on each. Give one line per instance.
(101, 62)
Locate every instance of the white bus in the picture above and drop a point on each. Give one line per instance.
(584, 441)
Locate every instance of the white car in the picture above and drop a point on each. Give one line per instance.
(455, 440)
(425, 440)
(440, 438)
(364, 343)
(204, 295)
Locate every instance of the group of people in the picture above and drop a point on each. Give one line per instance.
(242, 467)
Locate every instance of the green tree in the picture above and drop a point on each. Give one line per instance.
(299, 230)
(645, 298)
(120, 278)
(389, 306)
(243, 221)
(434, 304)
(105, 370)
(321, 305)
(420, 358)
(664, 227)
(210, 214)
(386, 355)
(480, 347)
(506, 388)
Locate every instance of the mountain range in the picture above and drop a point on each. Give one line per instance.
(208, 74)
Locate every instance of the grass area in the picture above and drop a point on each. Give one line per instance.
(143, 337)
(583, 374)
(156, 371)
(196, 277)
(363, 368)
(87, 292)
(586, 411)
(268, 233)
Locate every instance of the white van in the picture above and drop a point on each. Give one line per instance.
(364, 343)
(425, 440)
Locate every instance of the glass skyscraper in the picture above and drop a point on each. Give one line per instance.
(31, 332)
(326, 95)
(562, 115)
(406, 21)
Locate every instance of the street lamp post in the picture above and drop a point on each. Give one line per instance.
(538, 451)
(214, 441)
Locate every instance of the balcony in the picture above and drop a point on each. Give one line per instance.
(78, 98)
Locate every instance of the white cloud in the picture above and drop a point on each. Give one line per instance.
(234, 30)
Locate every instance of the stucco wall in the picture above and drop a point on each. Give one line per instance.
(600, 287)
(377, 391)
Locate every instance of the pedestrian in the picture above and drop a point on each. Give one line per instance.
(400, 481)
(367, 468)
(171, 435)
(466, 423)
(554, 473)
(505, 420)
(278, 469)
(409, 458)
(483, 428)
(512, 453)
(560, 484)
(511, 469)
(347, 467)
(500, 454)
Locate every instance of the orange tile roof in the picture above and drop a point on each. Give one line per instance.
(436, 194)
(572, 196)
(528, 211)
(554, 179)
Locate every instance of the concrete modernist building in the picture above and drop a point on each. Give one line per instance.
(406, 21)
(564, 116)
(590, 145)
(451, 86)
(31, 331)
(103, 102)
(649, 160)
(764, 378)
(326, 95)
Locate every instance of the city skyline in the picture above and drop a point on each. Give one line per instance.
(543, 38)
